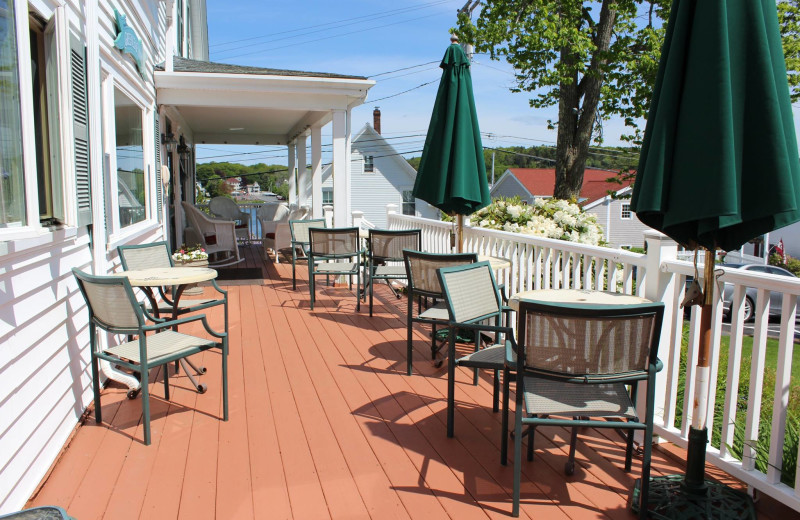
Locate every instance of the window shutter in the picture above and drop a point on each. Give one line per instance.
(80, 130)
(159, 185)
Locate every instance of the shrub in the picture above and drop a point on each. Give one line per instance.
(550, 218)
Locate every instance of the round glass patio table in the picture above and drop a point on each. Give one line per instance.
(575, 296)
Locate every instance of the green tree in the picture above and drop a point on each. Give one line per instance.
(594, 60)
(789, 21)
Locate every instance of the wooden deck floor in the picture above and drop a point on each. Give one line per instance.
(324, 423)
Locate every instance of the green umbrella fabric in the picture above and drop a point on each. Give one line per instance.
(452, 174)
(719, 162)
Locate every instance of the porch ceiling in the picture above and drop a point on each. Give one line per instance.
(223, 103)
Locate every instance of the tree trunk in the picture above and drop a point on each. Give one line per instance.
(577, 110)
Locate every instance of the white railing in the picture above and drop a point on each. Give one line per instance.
(538, 263)
(542, 263)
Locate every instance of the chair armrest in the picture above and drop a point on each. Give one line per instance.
(511, 348)
(164, 324)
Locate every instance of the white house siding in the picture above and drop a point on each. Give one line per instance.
(45, 376)
(372, 191)
(508, 186)
(619, 231)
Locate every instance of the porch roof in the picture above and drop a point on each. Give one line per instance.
(219, 103)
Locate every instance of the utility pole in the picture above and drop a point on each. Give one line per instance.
(491, 138)
(470, 6)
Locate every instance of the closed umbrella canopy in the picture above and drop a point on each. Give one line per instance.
(452, 173)
(719, 162)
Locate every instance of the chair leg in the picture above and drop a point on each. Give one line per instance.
(569, 467)
(311, 285)
(409, 343)
(629, 451)
(98, 414)
(496, 392)
(225, 378)
(166, 382)
(451, 381)
(434, 350)
(294, 262)
(504, 427)
(517, 448)
(371, 282)
(358, 289)
(146, 403)
(531, 434)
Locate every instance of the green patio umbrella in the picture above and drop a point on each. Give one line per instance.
(452, 173)
(719, 163)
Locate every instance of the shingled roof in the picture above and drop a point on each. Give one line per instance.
(186, 65)
(541, 182)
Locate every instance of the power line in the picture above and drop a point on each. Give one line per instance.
(404, 92)
(404, 68)
(366, 17)
(329, 37)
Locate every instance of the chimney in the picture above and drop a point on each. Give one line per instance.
(376, 119)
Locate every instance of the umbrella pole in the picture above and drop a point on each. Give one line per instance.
(459, 233)
(694, 480)
(691, 496)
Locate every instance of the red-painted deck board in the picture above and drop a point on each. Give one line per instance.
(324, 423)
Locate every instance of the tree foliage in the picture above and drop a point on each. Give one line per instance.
(789, 22)
(593, 60)
(272, 177)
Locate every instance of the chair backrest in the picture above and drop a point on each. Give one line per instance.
(388, 245)
(197, 219)
(421, 270)
(333, 242)
(598, 342)
(225, 207)
(273, 211)
(112, 304)
(145, 256)
(299, 228)
(470, 292)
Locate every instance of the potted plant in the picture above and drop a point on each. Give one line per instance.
(194, 256)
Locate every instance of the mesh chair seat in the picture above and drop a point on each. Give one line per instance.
(492, 357)
(549, 397)
(160, 347)
(437, 312)
(394, 271)
(337, 267)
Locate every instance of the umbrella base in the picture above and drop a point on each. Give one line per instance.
(670, 499)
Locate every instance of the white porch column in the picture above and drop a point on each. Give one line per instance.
(292, 178)
(303, 180)
(341, 214)
(348, 165)
(316, 171)
(659, 286)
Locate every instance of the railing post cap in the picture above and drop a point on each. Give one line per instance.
(357, 213)
(652, 234)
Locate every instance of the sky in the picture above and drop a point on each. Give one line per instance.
(398, 44)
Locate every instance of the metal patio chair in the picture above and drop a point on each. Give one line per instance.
(474, 304)
(423, 281)
(113, 308)
(156, 254)
(582, 364)
(299, 232)
(330, 253)
(385, 252)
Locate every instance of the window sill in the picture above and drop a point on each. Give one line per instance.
(131, 232)
(25, 239)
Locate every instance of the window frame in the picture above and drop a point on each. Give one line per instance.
(404, 203)
(369, 165)
(51, 17)
(623, 210)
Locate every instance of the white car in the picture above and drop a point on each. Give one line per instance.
(775, 298)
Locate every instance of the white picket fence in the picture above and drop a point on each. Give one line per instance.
(539, 263)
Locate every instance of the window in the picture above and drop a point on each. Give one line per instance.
(327, 196)
(625, 214)
(12, 185)
(409, 203)
(369, 165)
(131, 187)
(44, 82)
